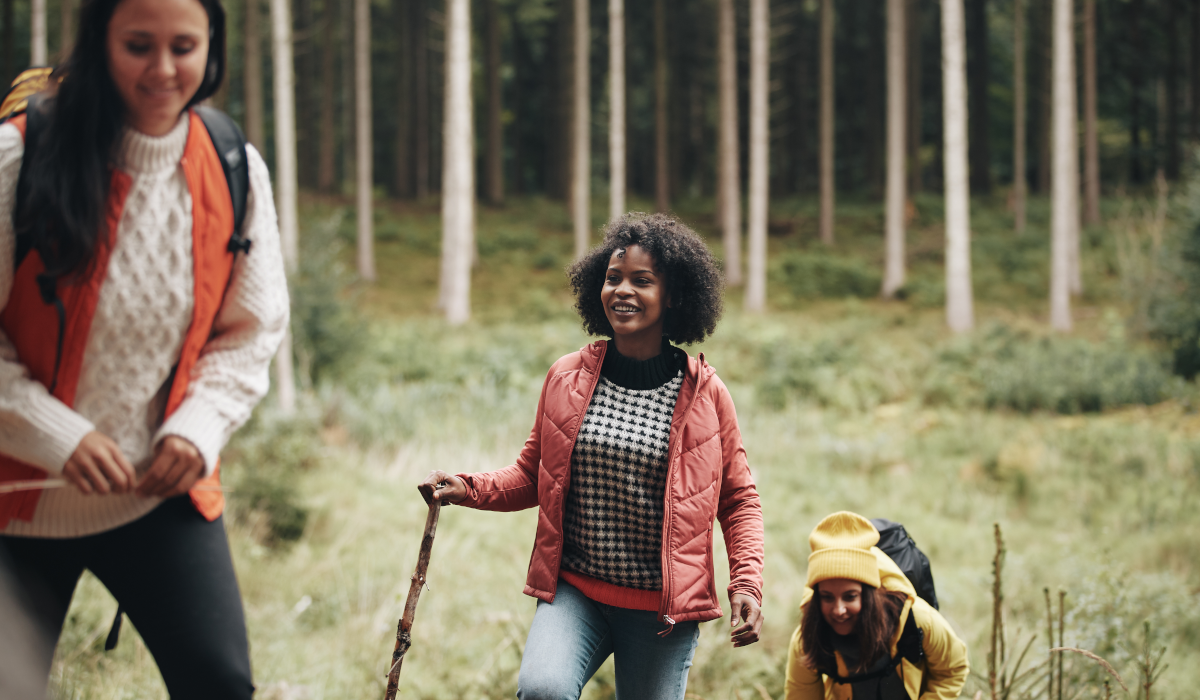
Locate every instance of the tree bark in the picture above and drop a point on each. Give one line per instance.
(364, 182)
(894, 268)
(421, 126)
(458, 166)
(349, 170)
(1020, 186)
(616, 119)
(662, 165)
(760, 43)
(1194, 92)
(1171, 140)
(913, 28)
(729, 199)
(873, 69)
(980, 76)
(1065, 185)
(1091, 139)
(1042, 14)
(252, 77)
(581, 152)
(403, 153)
(1133, 25)
(494, 157)
(285, 176)
(826, 127)
(328, 132)
(37, 33)
(960, 304)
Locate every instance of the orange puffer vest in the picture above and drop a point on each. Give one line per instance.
(707, 477)
(29, 322)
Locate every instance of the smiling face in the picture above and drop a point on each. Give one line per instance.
(634, 298)
(157, 55)
(841, 601)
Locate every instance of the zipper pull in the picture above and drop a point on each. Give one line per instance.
(670, 625)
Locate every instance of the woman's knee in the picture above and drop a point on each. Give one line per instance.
(545, 683)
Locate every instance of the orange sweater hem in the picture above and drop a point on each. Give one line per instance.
(609, 594)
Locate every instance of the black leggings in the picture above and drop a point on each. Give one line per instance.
(171, 573)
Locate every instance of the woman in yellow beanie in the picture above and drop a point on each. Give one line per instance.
(868, 634)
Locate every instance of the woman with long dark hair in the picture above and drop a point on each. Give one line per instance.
(864, 632)
(134, 339)
(635, 451)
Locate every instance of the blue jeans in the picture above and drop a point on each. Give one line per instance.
(572, 636)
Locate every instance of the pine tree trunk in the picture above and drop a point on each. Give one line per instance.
(616, 123)
(37, 33)
(421, 126)
(252, 77)
(1042, 13)
(980, 77)
(872, 66)
(1171, 140)
(914, 23)
(1065, 184)
(402, 179)
(1194, 92)
(662, 166)
(362, 132)
(1133, 26)
(1091, 140)
(960, 304)
(581, 152)
(8, 38)
(67, 25)
(729, 197)
(897, 93)
(1020, 185)
(458, 166)
(328, 132)
(826, 126)
(760, 43)
(285, 176)
(494, 157)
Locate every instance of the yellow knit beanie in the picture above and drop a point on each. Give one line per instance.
(841, 548)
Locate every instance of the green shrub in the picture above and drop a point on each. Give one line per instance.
(1173, 314)
(812, 275)
(263, 462)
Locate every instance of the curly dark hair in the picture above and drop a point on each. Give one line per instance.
(694, 279)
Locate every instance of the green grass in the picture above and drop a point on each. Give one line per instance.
(844, 403)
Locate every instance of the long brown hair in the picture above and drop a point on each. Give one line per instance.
(875, 627)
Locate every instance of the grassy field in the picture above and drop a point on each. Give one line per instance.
(1083, 449)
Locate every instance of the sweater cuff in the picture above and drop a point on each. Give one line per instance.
(200, 424)
(61, 428)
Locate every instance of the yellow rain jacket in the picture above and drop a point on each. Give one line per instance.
(939, 676)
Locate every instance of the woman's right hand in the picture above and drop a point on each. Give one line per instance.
(451, 490)
(98, 466)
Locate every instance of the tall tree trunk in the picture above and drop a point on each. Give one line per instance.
(364, 182)
(893, 276)
(328, 132)
(1042, 13)
(422, 135)
(581, 152)
(403, 153)
(67, 26)
(1194, 92)
(1065, 188)
(494, 157)
(458, 166)
(980, 76)
(662, 166)
(914, 24)
(760, 63)
(252, 77)
(616, 119)
(349, 170)
(873, 68)
(826, 127)
(1091, 140)
(37, 33)
(8, 38)
(285, 176)
(729, 197)
(960, 303)
(1020, 186)
(1133, 24)
(1171, 141)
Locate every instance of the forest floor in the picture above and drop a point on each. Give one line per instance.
(844, 403)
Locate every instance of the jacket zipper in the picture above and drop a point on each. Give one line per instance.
(673, 458)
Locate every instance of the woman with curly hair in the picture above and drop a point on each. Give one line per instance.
(634, 452)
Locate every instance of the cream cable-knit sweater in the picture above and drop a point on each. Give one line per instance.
(143, 313)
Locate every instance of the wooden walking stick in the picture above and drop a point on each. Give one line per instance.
(404, 627)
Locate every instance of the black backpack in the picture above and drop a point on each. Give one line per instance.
(896, 543)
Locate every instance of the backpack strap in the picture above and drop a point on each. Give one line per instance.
(230, 144)
(910, 647)
(35, 120)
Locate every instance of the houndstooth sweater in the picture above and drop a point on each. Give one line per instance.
(613, 516)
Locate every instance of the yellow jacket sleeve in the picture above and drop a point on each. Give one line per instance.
(946, 665)
(802, 683)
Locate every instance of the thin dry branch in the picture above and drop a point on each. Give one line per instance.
(1103, 664)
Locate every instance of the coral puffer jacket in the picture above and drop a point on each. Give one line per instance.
(707, 478)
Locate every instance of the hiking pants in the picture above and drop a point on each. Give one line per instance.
(572, 636)
(171, 572)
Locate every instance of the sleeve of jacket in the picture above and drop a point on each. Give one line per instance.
(945, 655)
(802, 682)
(738, 508)
(514, 487)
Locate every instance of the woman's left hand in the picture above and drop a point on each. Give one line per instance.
(177, 467)
(747, 612)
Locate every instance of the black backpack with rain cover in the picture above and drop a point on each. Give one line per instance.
(895, 542)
